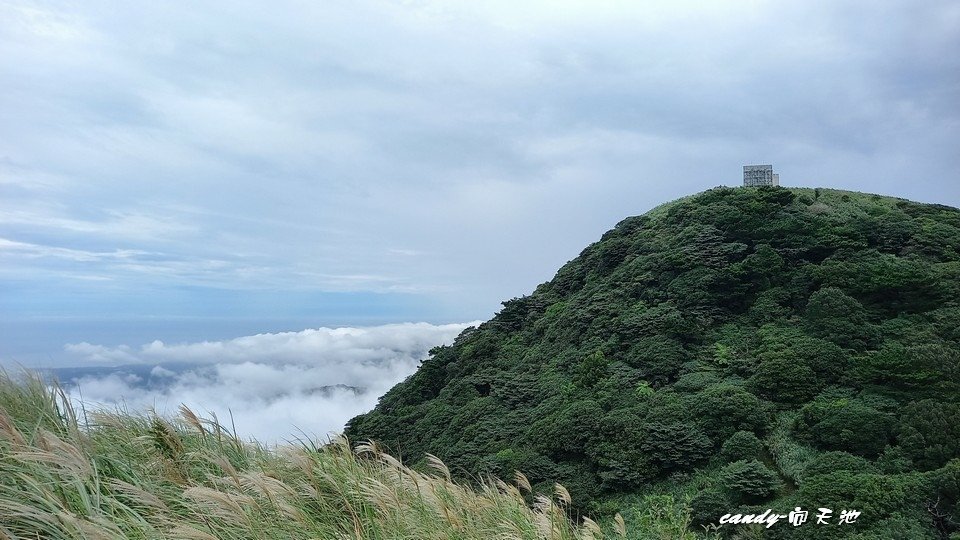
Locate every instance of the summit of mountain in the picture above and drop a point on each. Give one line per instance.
(739, 347)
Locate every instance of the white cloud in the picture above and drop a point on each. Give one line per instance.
(115, 225)
(100, 355)
(48, 25)
(316, 347)
(160, 371)
(29, 250)
(275, 385)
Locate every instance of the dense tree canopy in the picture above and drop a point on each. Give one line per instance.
(786, 345)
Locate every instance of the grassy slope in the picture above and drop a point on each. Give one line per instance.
(145, 477)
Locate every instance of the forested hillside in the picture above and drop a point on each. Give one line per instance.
(741, 348)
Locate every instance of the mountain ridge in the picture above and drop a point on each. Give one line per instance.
(792, 329)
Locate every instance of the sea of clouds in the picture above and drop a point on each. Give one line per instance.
(276, 387)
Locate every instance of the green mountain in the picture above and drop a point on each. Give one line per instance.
(738, 350)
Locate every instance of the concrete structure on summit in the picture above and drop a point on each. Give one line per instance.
(760, 175)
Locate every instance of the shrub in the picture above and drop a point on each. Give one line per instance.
(749, 481)
(707, 506)
(845, 424)
(875, 495)
(785, 380)
(830, 462)
(675, 445)
(929, 432)
(839, 318)
(742, 445)
(724, 409)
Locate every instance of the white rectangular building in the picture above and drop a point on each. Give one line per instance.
(760, 175)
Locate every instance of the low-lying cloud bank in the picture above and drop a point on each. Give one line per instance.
(277, 387)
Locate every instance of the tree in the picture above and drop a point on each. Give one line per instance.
(723, 409)
(742, 445)
(617, 450)
(658, 358)
(794, 367)
(707, 506)
(929, 431)
(926, 368)
(830, 462)
(844, 424)
(874, 495)
(675, 445)
(567, 430)
(593, 368)
(785, 381)
(749, 480)
(833, 315)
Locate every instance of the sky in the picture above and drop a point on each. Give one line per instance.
(201, 172)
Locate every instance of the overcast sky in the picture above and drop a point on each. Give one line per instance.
(254, 167)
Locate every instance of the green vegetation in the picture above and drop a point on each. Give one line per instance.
(140, 477)
(741, 348)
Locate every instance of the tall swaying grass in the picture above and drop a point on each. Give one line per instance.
(119, 476)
